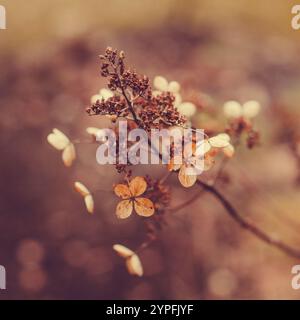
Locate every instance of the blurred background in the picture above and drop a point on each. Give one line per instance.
(217, 50)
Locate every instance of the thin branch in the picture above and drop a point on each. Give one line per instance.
(248, 225)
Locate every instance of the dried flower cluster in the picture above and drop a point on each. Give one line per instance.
(129, 95)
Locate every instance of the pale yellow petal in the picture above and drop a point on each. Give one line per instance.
(219, 141)
(161, 83)
(229, 151)
(81, 188)
(89, 203)
(232, 109)
(144, 207)
(251, 109)
(106, 93)
(137, 186)
(122, 191)
(134, 266)
(174, 87)
(187, 109)
(58, 140)
(69, 155)
(123, 251)
(95, 98)
(124, 209)
(187, 180)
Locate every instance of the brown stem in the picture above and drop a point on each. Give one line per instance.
(248, 225)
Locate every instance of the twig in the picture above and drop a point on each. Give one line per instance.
(248, 225)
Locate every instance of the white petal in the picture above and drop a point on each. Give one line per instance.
(95, 98)
(161, 83)
(219, 141)
(123, 251)
(58, 140)
(134, 266)
(251, 109)
(232, 109)
(81, 188)
(106, 93)
(69, 155)
(178, 99)
(174, 87)
(229, 151)
(89, 203)
(187, 109)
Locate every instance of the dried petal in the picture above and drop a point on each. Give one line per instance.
(219, 141)
(232, 109)
(229, 151)
(89, 203)
(137, 186)
(161, 83)
(174, 87)
(124, 209)
(187, 180)
(122, 191)
(187, 109)
(134, 266)
(58, 140)
(69, 155)
(251, 109)
(106, 94)
(144, 207)
(81, 188)
(123, 251)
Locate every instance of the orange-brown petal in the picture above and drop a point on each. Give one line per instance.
(144, 207)
(137, 186)
(124, 209)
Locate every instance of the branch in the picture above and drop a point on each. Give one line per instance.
(248, 225)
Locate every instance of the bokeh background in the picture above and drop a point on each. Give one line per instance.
(217, 50)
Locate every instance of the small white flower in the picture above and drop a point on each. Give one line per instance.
(86, 194)
(61, 142)
(248, 110)
(132, 260)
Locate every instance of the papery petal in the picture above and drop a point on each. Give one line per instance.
(123, 251)
(187, 109)
(202, 147)
(137, 186)
(229, 151)
(89, 203)
(161, 83)
(174, 87)
(144, 207)
(69, 155)
(58, 140)
(124, 209)
(134, 266)
(178, 99)
(187, 180)
(251, 109)
(232, 109)
(81, 188)
(95, 98)
(106, 93)
(122, 191)
(219, 141)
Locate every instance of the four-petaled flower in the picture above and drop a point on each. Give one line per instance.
(130, 194)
